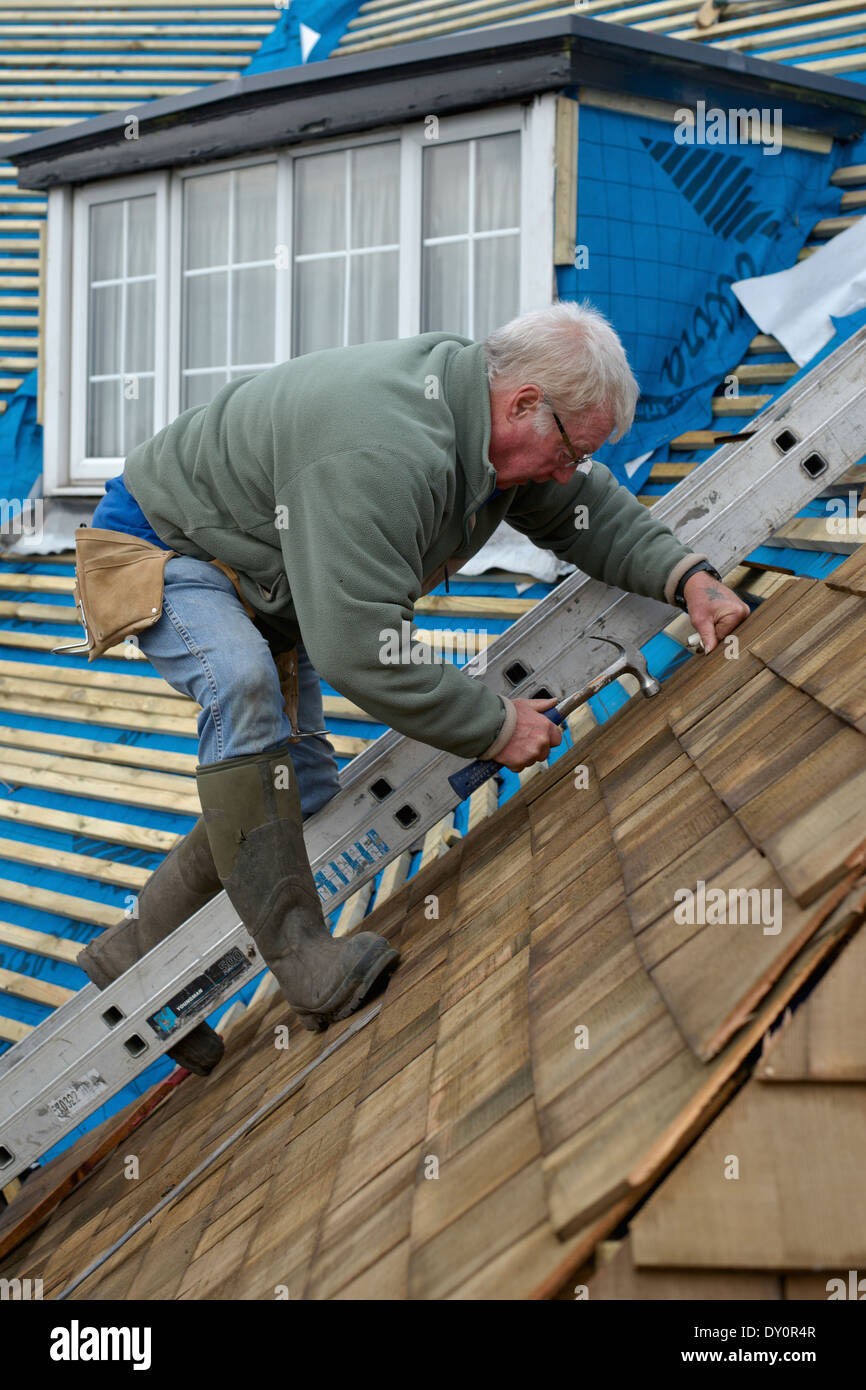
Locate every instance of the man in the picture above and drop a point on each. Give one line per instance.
(310, 506)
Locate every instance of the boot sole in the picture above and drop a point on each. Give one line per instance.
(201, 1055)
(370, 983)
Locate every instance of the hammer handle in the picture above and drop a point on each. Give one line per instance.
(474, 775)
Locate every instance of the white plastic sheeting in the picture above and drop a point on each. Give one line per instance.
(796, 305)
(508, 550)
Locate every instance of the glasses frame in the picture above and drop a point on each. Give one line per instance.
(578, 460)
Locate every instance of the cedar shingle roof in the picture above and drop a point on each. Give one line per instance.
(555, 916)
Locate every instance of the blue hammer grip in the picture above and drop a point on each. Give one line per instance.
(474, 775)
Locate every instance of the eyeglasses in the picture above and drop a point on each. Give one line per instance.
(576, 459)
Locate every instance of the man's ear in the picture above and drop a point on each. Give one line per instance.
(524, 401)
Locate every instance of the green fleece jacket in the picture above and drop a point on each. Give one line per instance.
(338, 484)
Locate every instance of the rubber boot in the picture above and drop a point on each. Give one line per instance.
(253, 819)
(185, 880)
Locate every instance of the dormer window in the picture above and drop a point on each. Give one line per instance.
(186, 279)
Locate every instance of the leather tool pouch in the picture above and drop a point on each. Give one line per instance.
(119, 583)
(118, 587)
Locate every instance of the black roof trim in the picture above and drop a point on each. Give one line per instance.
(407, 82)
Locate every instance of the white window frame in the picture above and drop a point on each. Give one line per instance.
(382, 137)
(66, 469)
(82, 467)
(174, 346)
(535, 123)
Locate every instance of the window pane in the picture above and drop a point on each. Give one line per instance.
(320, 203)
(205, 320)
(104, 420)
(255, 213)
(253, 303)
(106, 241)
(497, 275)
(319, 295)
(373, 297)
(140, 314)
(445, 289)
(375, 195)
(105, 322)
(121, 325)
(201, 388)
(446, 189)
(141, 236)
(205, 220)
(138, 413)
(497, 182)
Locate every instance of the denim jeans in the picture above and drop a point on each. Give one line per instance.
(207, 647)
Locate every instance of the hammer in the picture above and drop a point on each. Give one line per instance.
(630, 661)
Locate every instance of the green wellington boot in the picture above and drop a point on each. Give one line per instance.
(185, 880)
(253, 818)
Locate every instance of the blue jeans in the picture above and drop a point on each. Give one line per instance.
(207, 647)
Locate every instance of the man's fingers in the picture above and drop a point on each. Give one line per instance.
(714, 621)
(534, 735)
(729, 618)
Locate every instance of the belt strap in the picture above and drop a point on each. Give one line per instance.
(232, 574)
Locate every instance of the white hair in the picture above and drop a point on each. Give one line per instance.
(573, 354)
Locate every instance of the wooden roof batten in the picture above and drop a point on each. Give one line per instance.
(61, 64)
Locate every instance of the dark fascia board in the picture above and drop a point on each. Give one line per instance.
(407, 82)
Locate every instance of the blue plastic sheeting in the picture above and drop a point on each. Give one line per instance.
(666, 229)
(856, 153)
(20, 443)
(809, 564)
(306, 32)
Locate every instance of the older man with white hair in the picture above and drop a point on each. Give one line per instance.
(304, 510)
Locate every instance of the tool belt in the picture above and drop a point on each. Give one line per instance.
(119, 584)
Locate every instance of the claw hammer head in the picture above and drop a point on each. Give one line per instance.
(631, 661)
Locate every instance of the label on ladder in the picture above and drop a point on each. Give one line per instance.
(337, 874)
(197, 996)
(75, 1096)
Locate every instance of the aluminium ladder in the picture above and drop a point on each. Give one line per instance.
(397, 788)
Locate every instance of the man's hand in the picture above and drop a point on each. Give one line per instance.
(714, 609)
(533, 736)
